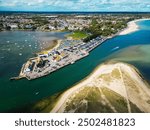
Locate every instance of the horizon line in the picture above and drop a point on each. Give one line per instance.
(79, 11)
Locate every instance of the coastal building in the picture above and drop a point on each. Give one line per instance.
(14, 26)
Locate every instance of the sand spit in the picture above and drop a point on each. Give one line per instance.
(126, 82)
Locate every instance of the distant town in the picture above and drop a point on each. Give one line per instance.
(98, 23)
(86, 33)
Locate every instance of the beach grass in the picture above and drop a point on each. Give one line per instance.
(116, 100)
(87, 100)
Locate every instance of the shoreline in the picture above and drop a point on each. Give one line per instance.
(131, 27)
(49, 70)
(21, 75)
(51, 48)
(99, 70)
(75, 88)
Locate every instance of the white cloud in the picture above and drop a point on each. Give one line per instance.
(78, 5)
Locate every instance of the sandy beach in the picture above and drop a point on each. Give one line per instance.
(132, 27)
(91, 80)
(55, 46)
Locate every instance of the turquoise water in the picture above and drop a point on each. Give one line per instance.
(15, 94)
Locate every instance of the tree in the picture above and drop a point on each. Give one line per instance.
(34, 28)
(8, 28)
(55, 24)
(66, 28)
(1, 26)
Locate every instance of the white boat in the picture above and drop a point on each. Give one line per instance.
(115, 48)
(72, 62)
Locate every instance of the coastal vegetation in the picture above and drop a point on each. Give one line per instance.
(77, 35)
(119, 102)
(110, 88)
(104, 28)
(101, 100)
(87, 100)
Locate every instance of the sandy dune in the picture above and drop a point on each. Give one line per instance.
(129, 85)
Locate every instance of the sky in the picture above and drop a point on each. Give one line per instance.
(75, 5)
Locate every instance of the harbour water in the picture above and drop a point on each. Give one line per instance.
(131, 48)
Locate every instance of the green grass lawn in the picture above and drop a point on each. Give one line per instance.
(78, 35)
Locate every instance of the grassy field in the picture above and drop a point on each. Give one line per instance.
(78, 35)
(90, 99)
(87, 100)
(116, 100)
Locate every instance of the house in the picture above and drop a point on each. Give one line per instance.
(14, 26)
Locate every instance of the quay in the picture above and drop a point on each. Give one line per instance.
(48, 62)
